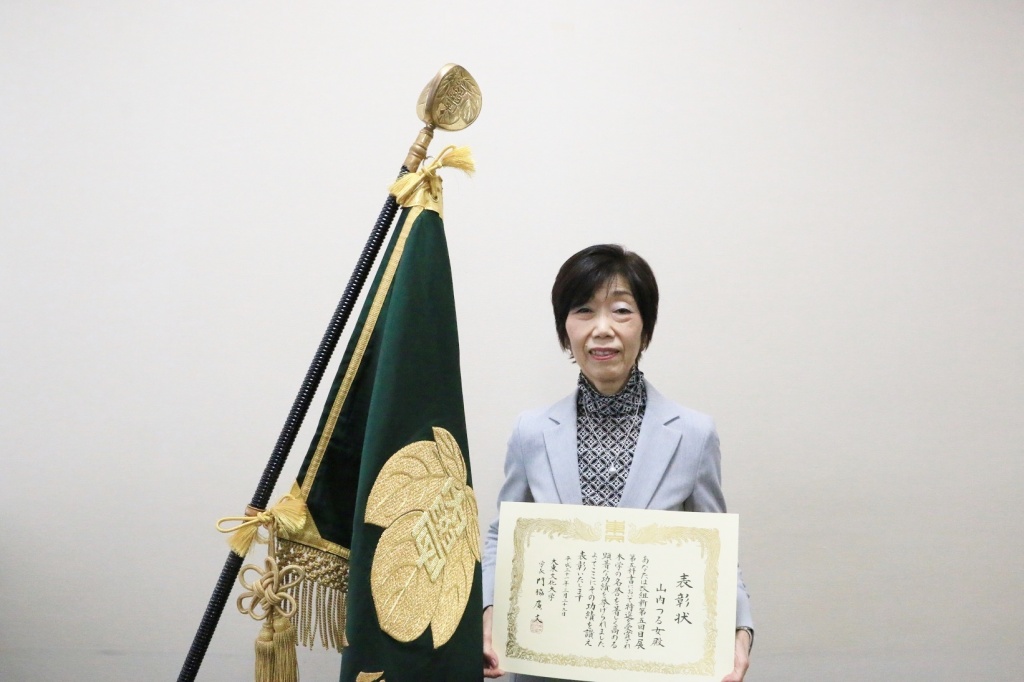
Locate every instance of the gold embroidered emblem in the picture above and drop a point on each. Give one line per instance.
(424, 562)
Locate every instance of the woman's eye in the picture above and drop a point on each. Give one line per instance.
(582, 310)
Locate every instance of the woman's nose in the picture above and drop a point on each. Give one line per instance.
(602, 325)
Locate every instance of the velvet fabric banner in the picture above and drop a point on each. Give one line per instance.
(391, 537)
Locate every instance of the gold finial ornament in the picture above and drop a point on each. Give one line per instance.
(450, 101)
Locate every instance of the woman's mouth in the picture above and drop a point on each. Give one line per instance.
(603, 353)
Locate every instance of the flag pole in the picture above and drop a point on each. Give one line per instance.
(444, 103)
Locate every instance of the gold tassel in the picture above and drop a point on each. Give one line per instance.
(286, 664)
(458, 157)
(267, 598)
(275, 652)
(265, 653)
(241, 540)
(289, 513)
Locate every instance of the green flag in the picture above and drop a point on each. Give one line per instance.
(391, 536)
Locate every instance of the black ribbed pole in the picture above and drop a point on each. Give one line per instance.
(261, 497)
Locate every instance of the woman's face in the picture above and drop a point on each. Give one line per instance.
(604, 335)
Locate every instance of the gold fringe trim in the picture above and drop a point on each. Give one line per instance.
(321, 597)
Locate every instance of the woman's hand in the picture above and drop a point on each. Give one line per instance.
(741, 660)
(491, 668)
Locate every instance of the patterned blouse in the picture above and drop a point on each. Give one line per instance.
(607, 428)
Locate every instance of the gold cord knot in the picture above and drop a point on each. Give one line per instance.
(266, 599)
(423, 188)
(268, 592)
(289, 513)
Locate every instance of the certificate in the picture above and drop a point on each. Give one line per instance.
(607, 594)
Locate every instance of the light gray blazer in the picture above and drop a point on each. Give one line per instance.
(676, 466)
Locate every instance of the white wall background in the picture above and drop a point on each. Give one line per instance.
(830, 193)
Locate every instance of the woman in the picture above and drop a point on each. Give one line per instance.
(614, 441)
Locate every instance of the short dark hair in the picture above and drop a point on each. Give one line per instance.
(587, 270)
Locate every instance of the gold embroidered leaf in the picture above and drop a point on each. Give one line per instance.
(425, 560)
(450, 454)
(454, 592)
(411, 479)
(403, 594)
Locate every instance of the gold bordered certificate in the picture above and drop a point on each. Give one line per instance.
(607, 594)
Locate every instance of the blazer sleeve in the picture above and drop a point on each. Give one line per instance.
(516, 488)
(707, 496)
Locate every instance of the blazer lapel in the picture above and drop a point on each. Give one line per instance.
(654, 449)
(560, 443)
